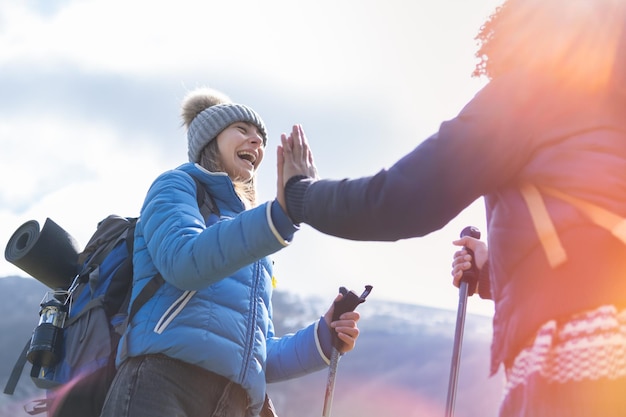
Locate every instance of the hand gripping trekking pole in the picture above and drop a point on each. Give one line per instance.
(467, 287)
(348, 302)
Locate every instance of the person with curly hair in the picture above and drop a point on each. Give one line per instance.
(544, 142)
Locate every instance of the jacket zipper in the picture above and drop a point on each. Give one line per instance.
(252, 320)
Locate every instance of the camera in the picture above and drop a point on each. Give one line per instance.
(46, 343)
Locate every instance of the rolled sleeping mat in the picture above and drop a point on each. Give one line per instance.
(49, 255)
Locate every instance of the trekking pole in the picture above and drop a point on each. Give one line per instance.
(348, 302)
(467, 287)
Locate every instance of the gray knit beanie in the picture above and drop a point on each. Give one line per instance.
(207, 112)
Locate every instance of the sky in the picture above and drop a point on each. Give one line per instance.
(90, 94)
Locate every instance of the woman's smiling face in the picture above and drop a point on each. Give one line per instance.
(241, 148)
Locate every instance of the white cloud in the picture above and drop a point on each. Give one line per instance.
(367, 78)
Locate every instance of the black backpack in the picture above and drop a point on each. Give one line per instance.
(77, 366)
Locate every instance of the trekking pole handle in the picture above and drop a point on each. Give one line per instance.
(348, 302)
(470, 276)
(467, 287)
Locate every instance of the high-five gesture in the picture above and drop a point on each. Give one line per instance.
(295, 156)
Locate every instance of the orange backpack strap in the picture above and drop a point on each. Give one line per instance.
(545, 227)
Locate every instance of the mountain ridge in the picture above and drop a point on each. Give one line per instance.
(400, 366)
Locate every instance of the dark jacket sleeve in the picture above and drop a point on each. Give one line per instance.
(468, 157)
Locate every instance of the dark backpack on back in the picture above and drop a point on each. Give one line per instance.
(98, 304)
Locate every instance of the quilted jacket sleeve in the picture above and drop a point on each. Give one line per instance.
(190, 255)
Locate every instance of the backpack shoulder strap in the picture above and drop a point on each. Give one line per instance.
(545, 227)
(205, 201)
(598, 215)
(145, 294)
(207, 206)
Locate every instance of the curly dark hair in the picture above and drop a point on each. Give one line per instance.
(582, 41)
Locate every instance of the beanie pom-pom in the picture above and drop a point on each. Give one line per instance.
(199, 100)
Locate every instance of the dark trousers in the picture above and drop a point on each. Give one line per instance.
(159, 386)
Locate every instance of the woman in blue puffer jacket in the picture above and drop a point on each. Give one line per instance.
(204, 344)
